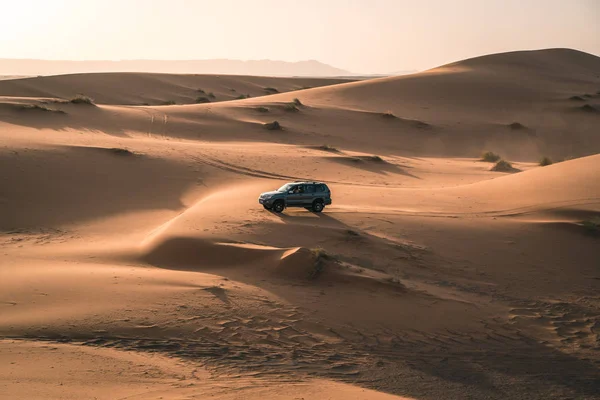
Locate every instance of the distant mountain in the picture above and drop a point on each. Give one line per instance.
(311, 68)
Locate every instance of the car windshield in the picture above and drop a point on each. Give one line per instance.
(285, 187)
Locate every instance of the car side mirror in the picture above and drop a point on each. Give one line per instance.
(291, 192)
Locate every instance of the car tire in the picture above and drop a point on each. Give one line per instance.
(278, 206)
(318, 206)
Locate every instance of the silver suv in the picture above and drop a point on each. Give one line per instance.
(313, 196)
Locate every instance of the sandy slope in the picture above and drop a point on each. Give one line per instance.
(155, 89)
(132, 236)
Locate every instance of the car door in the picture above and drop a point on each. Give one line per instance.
(294, 198)
(309, 195)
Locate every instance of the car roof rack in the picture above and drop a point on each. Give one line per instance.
(307, 181)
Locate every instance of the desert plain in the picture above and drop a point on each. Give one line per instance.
(136, 262)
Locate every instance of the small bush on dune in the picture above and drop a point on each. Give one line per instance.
(490, 156)
(168, 103)
(243, 96)
(291, 107)
(589, 108)
(271, 90)
(273, 126)
(81, 99)
(201, 91)
(503, 166)
(212, 95)
(121, 152)
(375, 158)
(202, 100)
(388, 114)
(545, 161)
(262, 109)
(576, 98)
(516, 126)
(320, 256)
(592, 226)
(326, 147)
(297, 102)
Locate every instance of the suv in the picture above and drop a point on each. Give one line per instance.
(313, 196)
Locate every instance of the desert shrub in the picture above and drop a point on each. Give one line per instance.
(202, 99)
(121, 152)
(262, 109)
(243, 96)
(576, 98)
(490, 156)
(168, 103)
(273, 126)
(516, 126)
(503, 166)
(232, 90)
(374, 158)
(320, 256)
(326, 147)
(212, 95)
(81, 99)
(271, 90)
(589, 108)
(545, 161)
(592, 225)
(201, 91)
(290, 107)
(297, 102)
(388, 114)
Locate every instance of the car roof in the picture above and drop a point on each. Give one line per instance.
(309, 182)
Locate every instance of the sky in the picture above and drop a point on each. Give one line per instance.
(362, 36)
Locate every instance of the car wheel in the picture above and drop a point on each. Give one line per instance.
(278, 206)
(318, 206)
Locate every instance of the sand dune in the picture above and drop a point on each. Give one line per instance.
(156, 89)
(134, 253)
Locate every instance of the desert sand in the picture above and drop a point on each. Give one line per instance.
(136, 262)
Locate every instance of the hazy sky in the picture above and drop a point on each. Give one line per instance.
(365, 36)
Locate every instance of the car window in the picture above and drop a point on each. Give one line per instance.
(310, 188)
(320, 188)
(297, 189)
